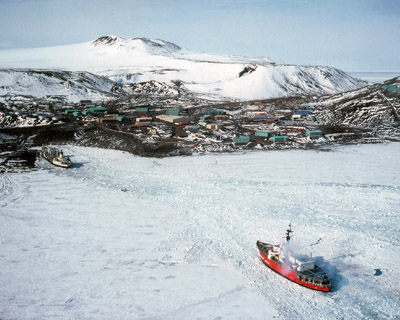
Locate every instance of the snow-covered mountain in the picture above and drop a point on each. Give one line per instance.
(72, 86)
(216, 76)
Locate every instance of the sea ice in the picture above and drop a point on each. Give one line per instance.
(123, 237)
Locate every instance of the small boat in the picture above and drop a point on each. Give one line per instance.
(297, 268)
(55, 157)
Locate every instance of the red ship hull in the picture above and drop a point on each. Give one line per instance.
(288, 273)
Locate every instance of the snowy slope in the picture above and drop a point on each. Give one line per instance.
(125, 237)
(280, 80)
(141, 59)
(71, 86)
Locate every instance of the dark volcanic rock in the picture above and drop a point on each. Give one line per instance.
(373, 107)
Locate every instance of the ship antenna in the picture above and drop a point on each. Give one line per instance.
(288, 232)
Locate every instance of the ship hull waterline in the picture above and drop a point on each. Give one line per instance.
(286, 272)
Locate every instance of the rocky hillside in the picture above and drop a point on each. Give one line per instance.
(65, 85)
(375, 107)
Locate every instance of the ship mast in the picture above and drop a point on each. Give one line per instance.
(288, 232)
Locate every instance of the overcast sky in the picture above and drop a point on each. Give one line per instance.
(354, 35)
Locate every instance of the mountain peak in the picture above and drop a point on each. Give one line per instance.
(106, 40)
(153, 46)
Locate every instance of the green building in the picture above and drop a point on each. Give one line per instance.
(87, 112)
(97, 109)
(202, 123)
(142, 109)
(173, 112)
(121, 118)
(313, 133)
(391, 88)
(279, 139)
(71, 111)
(241, 139)
(264, 134)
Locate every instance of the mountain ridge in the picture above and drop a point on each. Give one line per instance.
(127, 61)
(41, 83)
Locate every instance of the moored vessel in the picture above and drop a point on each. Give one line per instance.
(55, 157)
(297, 268)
